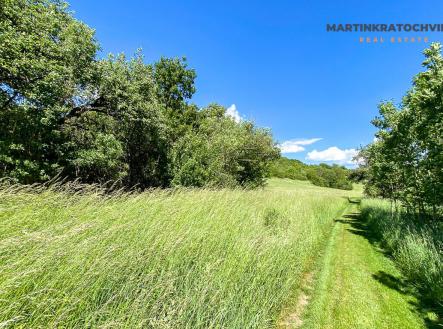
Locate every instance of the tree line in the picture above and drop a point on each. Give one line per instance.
(405, 161)
(65, 112)
(333, 176)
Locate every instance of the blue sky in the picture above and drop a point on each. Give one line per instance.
(273, 61)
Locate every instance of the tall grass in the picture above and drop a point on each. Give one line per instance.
(159, 259)
(416, 246)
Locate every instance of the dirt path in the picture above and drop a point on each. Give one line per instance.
(357, 286)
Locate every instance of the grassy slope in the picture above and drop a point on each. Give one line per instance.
(356, 286)
(162, 259)
(290, 184)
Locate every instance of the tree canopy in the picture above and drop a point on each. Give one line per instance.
(65, 112)
(333, 176)
(405, 162)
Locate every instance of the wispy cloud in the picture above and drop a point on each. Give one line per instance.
(232, 112)
(296, 145)
(333, 154)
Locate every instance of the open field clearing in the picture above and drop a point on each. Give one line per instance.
(163, 259)
(310, 195)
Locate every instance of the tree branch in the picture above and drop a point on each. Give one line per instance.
(98, 106)
(10, 99)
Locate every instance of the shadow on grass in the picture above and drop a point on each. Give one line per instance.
(393, 282)
(423, 306)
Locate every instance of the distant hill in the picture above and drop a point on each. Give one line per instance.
(334, 176)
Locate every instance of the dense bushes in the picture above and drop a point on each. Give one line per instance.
(321, 175)
(289, 168)
(63, 111)
(416, 246)
(405, 161)
(330, 176)
(210, 156)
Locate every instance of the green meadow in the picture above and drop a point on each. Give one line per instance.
(182, 258)
(288, 255)
(126, 202)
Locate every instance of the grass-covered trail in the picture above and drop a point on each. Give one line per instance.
(357, 286)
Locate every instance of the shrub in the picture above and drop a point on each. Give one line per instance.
(222, 152)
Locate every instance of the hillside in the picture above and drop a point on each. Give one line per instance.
(334, 176)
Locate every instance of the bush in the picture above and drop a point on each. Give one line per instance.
(221, 152)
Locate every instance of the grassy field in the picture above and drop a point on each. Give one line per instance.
(160, 259)
(290, 255)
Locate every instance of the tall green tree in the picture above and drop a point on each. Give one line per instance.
(405, 163)
(122, 106)
(46, 56)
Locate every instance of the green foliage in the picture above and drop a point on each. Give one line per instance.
(321, 175)
(358, 175)
(330, 176)
(289, 168)
(127, 92)
(175, 82)
(45, 52)
(415, 245)
(45, 56)
(64, 112)
(103, 159)
(406, 160)
(222, 152)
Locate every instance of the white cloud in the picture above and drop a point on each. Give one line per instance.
(294, 146)
(333, 154)
(288, 147)
(232, 112)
